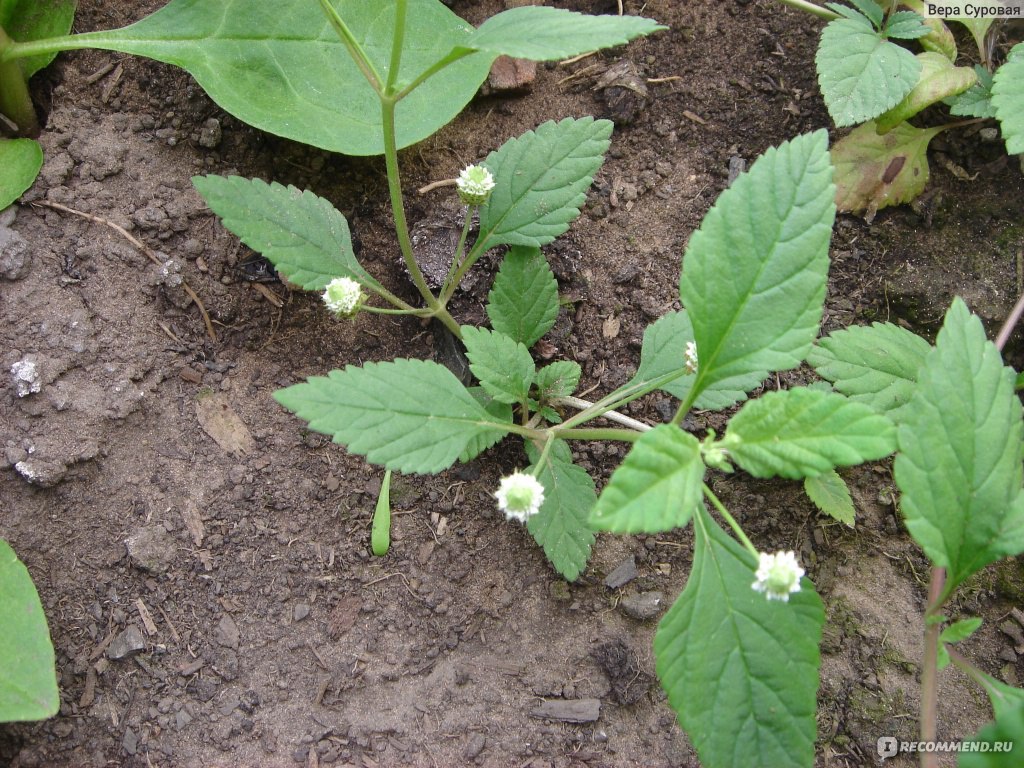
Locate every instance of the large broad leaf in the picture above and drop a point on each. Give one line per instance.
(876, 365)
(503, 365)
(664, 350)
(959, 465)
(29, 20)
(303, 235)
(803, 432)
(499, 412)
(939, 79)
(754, 274)
(874, 172)
(978, 29)
(740, 671)
(409, 415)
(997, 745)
(1008, 99)
(523, 302)
(560, 527)
(28, 680)
(831, 495)
(657, 488)
(281, 68)
(20, 161)
(860, 73)
(541, 180)
(546, 34)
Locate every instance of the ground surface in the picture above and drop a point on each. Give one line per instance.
(204, 563)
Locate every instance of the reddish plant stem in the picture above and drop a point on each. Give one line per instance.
(929, 671)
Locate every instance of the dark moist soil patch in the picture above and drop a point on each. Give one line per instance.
(208, 581)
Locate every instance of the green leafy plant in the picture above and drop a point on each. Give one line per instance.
(869, 80)
(958, 468)
(28, 681)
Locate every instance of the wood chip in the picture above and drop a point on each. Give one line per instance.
(569, 711)
(610, 328)
(193, 521)
(220, 422)
(146, 616)
(693, 117)
(89, 694)
(343, 617)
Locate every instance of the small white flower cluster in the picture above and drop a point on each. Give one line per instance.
(778, 575)
(474, 185)
(691, 357)
(519, 496)
(342, 296)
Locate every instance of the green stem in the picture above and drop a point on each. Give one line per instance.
(816, 10)
(433, 69)
(687, 404)
(387, 108)
(397, 42)
(354, 49)
(625, 435)
(621, 397)
(456, 259)
(384, 311)
(15, 101)
(549, 440)
(929, 666)
(471, 258)
(709, 494)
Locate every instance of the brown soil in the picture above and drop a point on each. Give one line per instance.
(167, 490)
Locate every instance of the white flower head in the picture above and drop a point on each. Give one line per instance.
(778, 575)
(474, 184)
(691, 357)
(342, 296)
(519, 496)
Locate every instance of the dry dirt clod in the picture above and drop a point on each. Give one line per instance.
(644, 606)
(129, 642)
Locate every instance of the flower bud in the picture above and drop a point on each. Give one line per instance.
(520, 496)
(342, 296)
(474, 184)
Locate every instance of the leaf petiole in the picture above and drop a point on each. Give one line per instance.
(15, 101)
(717, 504)
(352, 45)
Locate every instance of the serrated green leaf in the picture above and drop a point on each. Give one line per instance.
(869, 8)
(860, 73)
(558, 379)
(20, 161)
(997, 745)
(1008, 99)
(1004, 698)
(409, 415)
(960, 630)
(754, 274)
(547, 34)
(976, 101)
(523, 302)
(28, 682)
(831, 495)
(959, 463)
(876, 365)
(740, 671)
(503, 365)
(500, 413)
(541, 180)
(281, 67)
(874, 172)
(801, 432)
(303, 235)
(658, 487)
(939, 79)
(28, 20)
(853, 14)
(380, 528)
(663, 351)
(560, 527)
(906, 25)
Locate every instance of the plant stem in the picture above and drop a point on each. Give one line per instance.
(549, 440)
(385, 311)
(432, 70)
(397, 42)
(15, 101)
(457, 257)
(471, 258)
(716, 502)
(354, 49)
(625, 435)
(620, 397)
(626, 421)
(1008, 325)
(387, 108)
(929, 667)
(807, 7)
